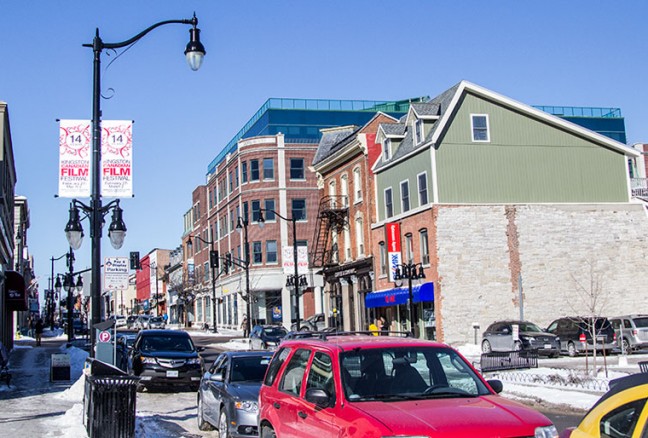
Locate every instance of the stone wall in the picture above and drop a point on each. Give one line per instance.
(562, 252)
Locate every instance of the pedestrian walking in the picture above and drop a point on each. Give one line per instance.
(38, 328)
(373, 327)
(384, 327)
(244, 327)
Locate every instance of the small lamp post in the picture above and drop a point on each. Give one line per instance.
(410, 271)
(242, 224)
(213, 261)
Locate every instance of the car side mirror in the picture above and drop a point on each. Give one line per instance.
(318, 397)
(216, 377)
(497, 385)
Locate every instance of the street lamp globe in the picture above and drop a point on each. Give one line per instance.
(73, 229)
(195, 51)
(117, 229)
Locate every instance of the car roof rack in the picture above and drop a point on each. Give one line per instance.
(324, 335)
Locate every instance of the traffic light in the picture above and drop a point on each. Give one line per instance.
(134, 260)
(213, 259)
(228, 261)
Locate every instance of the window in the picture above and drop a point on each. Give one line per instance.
(299, 209)
(335, 253)
(479, 124)
(236, 176)
(383, 258)
(244, 173)
(405, 204)
(268, 213)
(294, 373)
(389, 206)
(320, 375)
(621, 422)
(297, 168)
(422, 189)
(256, 210)
(268, 168)
(409, 249)
(332, 193)
(359, 236)
(275, 365)
(231, 182)
(425, 250)
(418, 130)
(254, 170)
(347, 242)
(387, 149)
(271, 251)
(257, 256)
(344, 190)
(205, 271)
(245, 210)
(357, 185)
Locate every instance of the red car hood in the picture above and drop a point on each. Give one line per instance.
(486, 416)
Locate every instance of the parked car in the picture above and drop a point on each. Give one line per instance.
(519, 335)
(618, 413)
(367, 386)
(142, 322)
(313, 323)
(130, 321)
(229, 393)
(263, 337)
(120, 320)
(123, 345)
(575, 334)
(631, 332)
(165, 358)
(156, 322)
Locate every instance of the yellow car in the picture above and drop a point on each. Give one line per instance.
(620, 413)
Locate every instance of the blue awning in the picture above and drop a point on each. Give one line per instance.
(393, 297)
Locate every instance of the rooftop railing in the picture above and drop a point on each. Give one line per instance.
(580, 111)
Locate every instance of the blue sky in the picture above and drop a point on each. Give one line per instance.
(574, 53)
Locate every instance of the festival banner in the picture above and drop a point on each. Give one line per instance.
(74, 158)
(394, 256)
(117, 158)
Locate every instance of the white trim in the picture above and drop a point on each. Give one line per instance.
(418, 188)
(472, 128)
(386, 146)
(417, 140)
(385, 202)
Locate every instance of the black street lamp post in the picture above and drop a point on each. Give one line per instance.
(70, 287)
(293, 280)
(243, 224)
(213, 263)
(409, 271)
(95, 211)
(50, 310)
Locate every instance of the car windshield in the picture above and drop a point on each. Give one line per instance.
(167, 343)
(398, 373)
(249, 368)
(275, 331)
(529, 327)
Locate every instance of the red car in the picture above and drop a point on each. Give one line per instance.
(335, 385)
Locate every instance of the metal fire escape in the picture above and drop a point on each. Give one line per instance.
(332, 215)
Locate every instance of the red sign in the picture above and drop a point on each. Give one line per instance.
(393, 237)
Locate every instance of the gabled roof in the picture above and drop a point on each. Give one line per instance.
(449, 100)
(332, 140)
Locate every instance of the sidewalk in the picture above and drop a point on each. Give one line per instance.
(32, 405)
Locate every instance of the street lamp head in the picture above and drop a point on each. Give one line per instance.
(421, 272)
(117, 229)
(79, 285)
(195, 51)
(68, 283)
(261, 219)
(73, 229)
(57, 285)
(189, 244)
(241, 224)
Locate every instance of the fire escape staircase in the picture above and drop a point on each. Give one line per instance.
(333, 214)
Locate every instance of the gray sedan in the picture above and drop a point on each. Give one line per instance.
(229, 393)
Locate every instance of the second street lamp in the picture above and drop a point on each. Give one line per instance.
(242, 224)
(213, 264)
(194, 53)
(410, 271)
(293, 280)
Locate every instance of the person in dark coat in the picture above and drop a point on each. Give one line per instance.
(38, 328)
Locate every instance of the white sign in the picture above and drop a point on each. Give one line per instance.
(117, 158)
(60, 360)
(104, 336)
(116, 270)
(74, 158)
(288, 259)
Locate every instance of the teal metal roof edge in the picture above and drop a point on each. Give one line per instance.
(312, 105)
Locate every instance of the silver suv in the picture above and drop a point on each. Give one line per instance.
(631, 331)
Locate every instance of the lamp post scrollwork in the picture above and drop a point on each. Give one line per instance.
(410, 271)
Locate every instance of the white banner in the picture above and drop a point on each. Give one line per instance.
(75, 137)
(117, 158)
(288, 259)
(116, 271)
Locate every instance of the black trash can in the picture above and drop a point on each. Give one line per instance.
(110, 402)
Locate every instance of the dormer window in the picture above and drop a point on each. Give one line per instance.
(387, 149)
(479, 125)
(418, 131)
